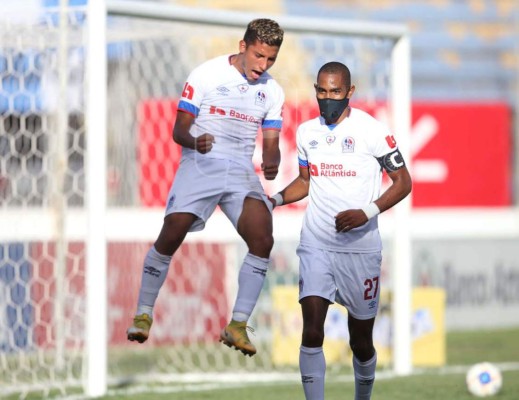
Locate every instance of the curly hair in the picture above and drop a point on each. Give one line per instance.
(264, 30)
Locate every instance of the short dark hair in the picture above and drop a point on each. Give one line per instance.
(265, 30)
(336, 67)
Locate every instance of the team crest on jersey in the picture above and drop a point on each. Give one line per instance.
(243, 87)
(348, 145)
(261, 98)
(222, 90)
(330, 139)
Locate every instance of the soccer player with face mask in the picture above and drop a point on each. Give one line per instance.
(224, 102)
(341, 157)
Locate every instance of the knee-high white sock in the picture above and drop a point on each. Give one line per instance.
(313, 369)
(154, 272)
(250, 282)
(364, 377)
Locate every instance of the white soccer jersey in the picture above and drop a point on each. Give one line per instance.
(230, 108)
(344, 174)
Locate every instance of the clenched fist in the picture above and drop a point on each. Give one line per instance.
(204, 143)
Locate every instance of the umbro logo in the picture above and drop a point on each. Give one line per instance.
(152, 271)
(223, 90)
(259, 271)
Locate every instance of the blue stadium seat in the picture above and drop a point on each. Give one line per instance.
(477, 70)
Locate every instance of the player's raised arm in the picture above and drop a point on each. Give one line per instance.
(183, 137)
(271, 153)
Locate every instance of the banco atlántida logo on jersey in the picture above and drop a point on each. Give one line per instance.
(214, 110)
(331, 170)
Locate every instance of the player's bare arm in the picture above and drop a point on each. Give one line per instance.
(181, 135)
(271, 154)
(401, 185)
(295, 190)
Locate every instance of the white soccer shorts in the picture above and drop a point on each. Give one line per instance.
(350, 279)
(201, 184)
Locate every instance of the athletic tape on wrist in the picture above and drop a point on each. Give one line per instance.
(278, 199)
(371, 210)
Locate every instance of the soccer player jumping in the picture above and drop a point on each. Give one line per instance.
(224, 102)
(341, 156)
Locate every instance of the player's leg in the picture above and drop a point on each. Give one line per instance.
(155, 270)
(364, 356)
(316, 291)
(361, 338)
(158, 259)
(189, 206)
(255, 227)
(358, 290)
(312, 363)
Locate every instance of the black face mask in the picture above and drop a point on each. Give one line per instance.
(331, 109)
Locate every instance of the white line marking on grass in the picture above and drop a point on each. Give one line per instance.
(199, 382)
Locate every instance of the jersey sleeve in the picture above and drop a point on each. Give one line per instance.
(301, 153)
(273, 118)
(383, 141)
(193, 92)
(385, 149)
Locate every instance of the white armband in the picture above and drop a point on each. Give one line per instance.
(371, 210)
(278, 199)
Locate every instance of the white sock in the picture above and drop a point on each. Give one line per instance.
(313, 369)
(364, 377)
(250, 282)
(154, 273)
(240, 317)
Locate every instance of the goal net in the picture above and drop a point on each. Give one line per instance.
(43, 209)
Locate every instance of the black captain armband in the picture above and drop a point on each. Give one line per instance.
(392, 161)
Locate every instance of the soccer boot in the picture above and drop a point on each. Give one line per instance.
(140, 330)
(235, 335)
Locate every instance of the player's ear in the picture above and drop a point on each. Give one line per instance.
(242, 46)
(351, 91)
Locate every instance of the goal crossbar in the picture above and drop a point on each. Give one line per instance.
(171, 12)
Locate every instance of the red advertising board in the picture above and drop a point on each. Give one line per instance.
(159, 156)
(460, 154)
(191, 307)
